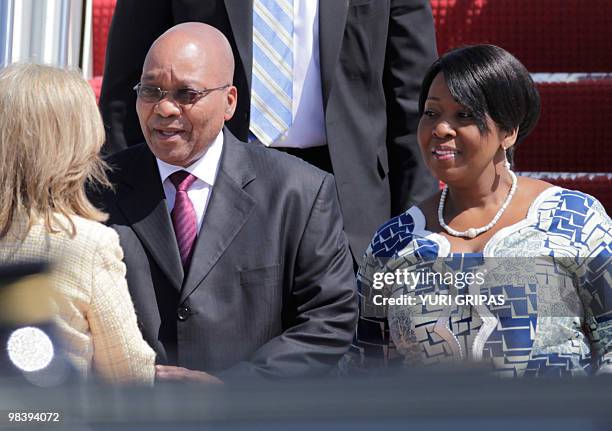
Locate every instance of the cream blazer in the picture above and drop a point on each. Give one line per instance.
(95, 315)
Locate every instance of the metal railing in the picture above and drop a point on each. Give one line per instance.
(42, 31)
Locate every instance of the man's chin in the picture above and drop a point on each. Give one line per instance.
(172, 156)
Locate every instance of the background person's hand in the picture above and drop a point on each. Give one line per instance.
(168, 373)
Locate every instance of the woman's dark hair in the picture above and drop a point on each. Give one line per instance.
(487, 79)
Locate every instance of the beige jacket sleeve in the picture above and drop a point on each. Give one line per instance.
(120, 355)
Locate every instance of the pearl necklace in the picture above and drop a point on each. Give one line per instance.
(472, 232)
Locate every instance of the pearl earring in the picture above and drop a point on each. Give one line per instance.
(506, 161)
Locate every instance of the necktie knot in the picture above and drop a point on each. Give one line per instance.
(182, 180)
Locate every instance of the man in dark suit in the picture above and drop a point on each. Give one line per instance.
(357, 69)
(236, 258)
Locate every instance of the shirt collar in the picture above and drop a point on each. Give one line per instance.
(205, 168)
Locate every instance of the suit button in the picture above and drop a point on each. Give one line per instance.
(182, 313)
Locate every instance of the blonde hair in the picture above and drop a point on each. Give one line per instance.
(50, 138)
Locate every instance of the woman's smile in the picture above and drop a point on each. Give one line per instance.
(444, 153)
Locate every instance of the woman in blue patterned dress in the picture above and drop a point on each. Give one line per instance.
(539, 298)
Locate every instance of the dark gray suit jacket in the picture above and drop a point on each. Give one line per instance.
(373, 55)
(270, 289)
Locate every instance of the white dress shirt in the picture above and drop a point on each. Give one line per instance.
(308, 126)
(204, 169)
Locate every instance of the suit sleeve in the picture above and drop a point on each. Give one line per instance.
(134, 28)
(321, 312)
(411, 48)
(121, 355)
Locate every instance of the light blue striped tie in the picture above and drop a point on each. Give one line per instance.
(272, 79)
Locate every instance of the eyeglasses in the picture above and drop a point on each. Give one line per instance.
(183, 96)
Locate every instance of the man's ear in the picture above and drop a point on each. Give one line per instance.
(509, 138)
(231, 101)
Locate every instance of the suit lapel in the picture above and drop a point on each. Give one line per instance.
(142, 201)
(227, 211)
(240, 16)
(332, 20)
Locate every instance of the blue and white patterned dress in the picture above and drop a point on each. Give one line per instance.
(554, 269)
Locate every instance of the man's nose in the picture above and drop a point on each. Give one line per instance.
(167, 107)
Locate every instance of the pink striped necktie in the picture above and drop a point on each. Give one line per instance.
(183, 215)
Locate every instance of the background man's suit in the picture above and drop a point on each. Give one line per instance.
(373, 55)
(270, 289)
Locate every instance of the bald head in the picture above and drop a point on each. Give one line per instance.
(192, 64)
(195, 41)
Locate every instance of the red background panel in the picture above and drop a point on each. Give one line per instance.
(546, 35)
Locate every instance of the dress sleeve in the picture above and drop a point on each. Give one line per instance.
(372, 347)
(121, 355)
(595, 280)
